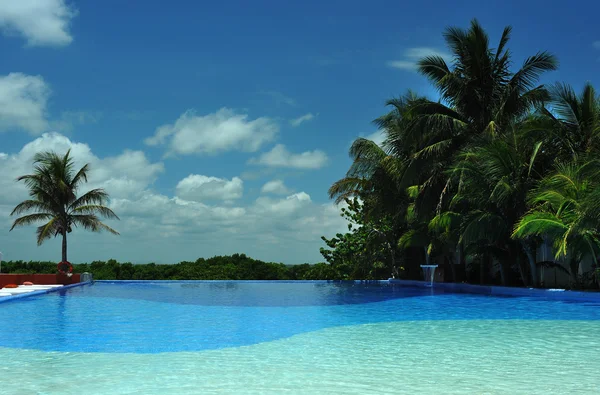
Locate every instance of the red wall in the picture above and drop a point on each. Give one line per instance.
(40, 279)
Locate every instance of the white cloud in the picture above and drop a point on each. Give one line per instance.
(125, 175)
(276, 187)
(196, 187)
(158, 227)
(23, 100)
(279, 156)
(413, 55)
(377, 137)
(596, 44)
(40, 22)
(304, 118)
(222, 131)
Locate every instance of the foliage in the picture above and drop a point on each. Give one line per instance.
(482, 177)
(234, 267)
(367, 251)
(53, 188)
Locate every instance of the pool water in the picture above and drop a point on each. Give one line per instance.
(296, 338)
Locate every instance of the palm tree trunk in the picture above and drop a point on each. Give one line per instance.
(502, 272)
(532, 266)
(482, 269)
(64, 247)
(452, 267)
(393, 256)
(521, 271)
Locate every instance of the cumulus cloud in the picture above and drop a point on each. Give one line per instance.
(377, 137)
(276, 187)
(413, 55)
(40, 22)
(304, 118)
(596, 44)
(155, 226)
(222, 131)
(23, 100)
(279, 156)
(124, 175)
(196, 187)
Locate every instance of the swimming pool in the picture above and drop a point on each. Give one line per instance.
(295, 337)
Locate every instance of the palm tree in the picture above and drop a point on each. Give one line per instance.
(493, 180)
(479, 97)
(569, 124)
(565, 208)
(53, 188)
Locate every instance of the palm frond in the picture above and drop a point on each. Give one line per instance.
(434, 67)
(92, 223)
(538, 224)
(103, 211)
(47, 230)
(95, 196)
(31, 219)
(532, 69)
(29, 205)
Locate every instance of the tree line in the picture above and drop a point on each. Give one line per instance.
(234, 267)
(480, 179)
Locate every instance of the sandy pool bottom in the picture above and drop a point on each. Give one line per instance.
(426, 357)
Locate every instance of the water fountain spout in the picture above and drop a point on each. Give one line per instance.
(429, 272)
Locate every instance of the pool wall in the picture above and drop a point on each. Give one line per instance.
(5, 299)
(244, 281)
(556, 294)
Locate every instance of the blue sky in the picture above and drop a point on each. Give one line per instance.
(218, 126)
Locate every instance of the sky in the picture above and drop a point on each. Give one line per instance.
(217, 127)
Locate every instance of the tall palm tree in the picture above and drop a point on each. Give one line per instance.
(53, 188)
(479, 97)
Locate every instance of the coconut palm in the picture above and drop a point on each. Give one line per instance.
(53, 189)
(493, 181)
(479, 96)
(571, 123)
(565, 208)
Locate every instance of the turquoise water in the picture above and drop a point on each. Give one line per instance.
(318, 338)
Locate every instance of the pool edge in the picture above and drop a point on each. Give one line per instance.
(41, 292)
(492, 290)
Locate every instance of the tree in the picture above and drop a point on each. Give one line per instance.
(420, 177)
(479, 97)
(53, 188)
(367, 251)
(566, 208)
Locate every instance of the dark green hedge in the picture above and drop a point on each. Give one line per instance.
(234, 267)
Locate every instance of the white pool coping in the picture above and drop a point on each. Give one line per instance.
(23, 289)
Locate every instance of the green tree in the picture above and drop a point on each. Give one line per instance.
(419, 178)
(566, 208)
(479, 97)
(368, 250)
(53, 189)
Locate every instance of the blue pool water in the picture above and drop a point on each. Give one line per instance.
(300, 337)
(154, 318)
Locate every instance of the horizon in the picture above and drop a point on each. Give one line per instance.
(215, 131)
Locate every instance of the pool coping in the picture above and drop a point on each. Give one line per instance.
(243, 281)
(5, 299)
(490, 290)
(493, 290)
